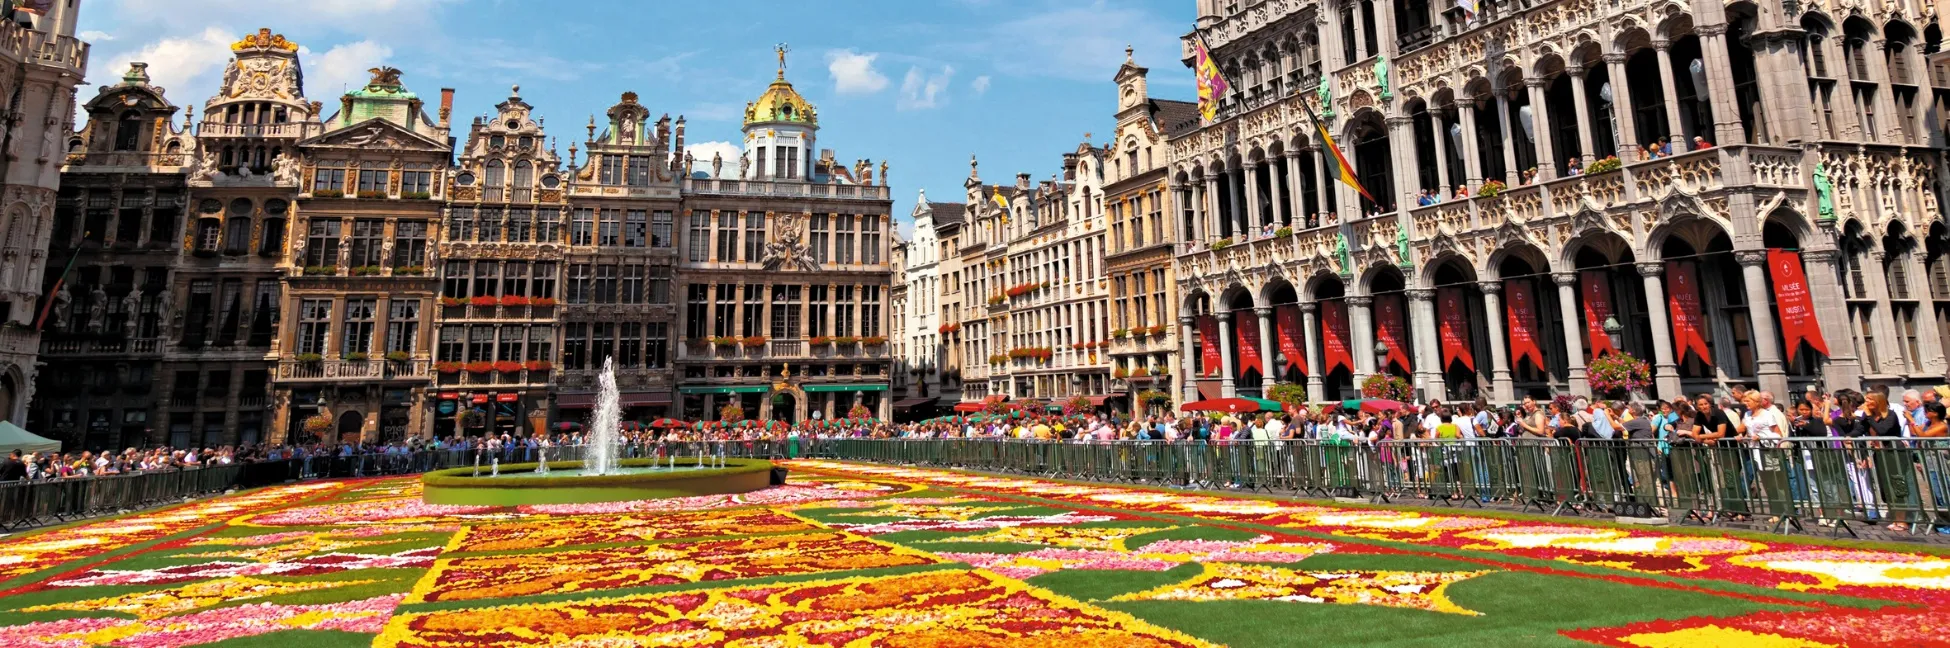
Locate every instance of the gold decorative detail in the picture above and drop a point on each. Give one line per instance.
(264, 40)
(384, 77)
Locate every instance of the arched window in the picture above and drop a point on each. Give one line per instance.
(524, 175)
(128, 132)
(495, 173)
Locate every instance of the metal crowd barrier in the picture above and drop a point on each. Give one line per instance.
(1838, 482)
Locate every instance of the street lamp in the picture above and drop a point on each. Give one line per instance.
(1381, 357)
(1615, 331)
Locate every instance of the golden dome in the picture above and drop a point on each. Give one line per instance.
(781, 103)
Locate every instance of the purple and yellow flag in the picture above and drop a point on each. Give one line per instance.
(1211, 84)
(1341, 170)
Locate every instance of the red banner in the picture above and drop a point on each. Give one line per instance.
(1453, 327)
(1287, 331)
(1682, 304)
(1390, 331)
(1797, 307)
(1333, 336)
(1208, 342)
(1522, 309)
(1245, 324)
(1597, 307)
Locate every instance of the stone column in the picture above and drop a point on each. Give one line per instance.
(1212, 211)
(1441, 156)
(1310, 323)
(1540, 123)
(1321, 188)
(1844, 366)
(1401, 146)
(1188, 369)
(1767, 340)
(1719, 84)
(1567, 312)
(1422, 339)
(1471, 153)
(1510, 171)
(1502, 388)
(1252, 197)
(1294, 201)
(1665, 365)
(1583, 112)
(1662, 47)
(1360, 328)
(1267, 346)
(1927, 341)
(1235, 189)
(1228, 362)
(1627, 133)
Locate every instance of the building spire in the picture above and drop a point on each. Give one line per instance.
(782, 49)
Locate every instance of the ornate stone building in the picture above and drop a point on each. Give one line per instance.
(116, 222)
(1790, 137)
(353, 350)
(1144, 342)
(1040, 260)
(785, 275)
(620, 287)
(41, 62)
(500, 260)
(928, 324)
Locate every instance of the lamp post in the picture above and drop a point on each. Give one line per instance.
(1615, 331)
(1381, 357)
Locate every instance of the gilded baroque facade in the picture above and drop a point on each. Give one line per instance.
(1144, 342)
(1574, 156)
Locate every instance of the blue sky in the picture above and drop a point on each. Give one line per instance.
(922, 84)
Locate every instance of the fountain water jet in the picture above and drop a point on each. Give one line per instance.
(603, 427)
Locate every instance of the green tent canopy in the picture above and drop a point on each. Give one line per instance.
(12, 438)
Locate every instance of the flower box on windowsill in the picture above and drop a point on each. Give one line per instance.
(416, 195)
(367, 271)
(372, 195)
(320, 271)
(398, 356)
(327, 193)
(409, 271)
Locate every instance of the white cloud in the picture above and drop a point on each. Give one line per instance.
(853, 72)
(192, 64)
(342, 68)
(922, 90)
(981, 85)
(92, 36)
(701, 152)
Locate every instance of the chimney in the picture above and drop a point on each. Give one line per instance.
(446, 106)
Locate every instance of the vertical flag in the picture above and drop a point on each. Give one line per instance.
(1333, 336)
(1001, 203)
(1208, 340)
(1797, 307)
(1454, 329)
(1287, 329)
(1389, 330)
(1245, 324)
(47, 301)
(1212, 85)
(1470, 8)
(1523, 323)
(1340, 169)
(1597, 307)
(1682, 302)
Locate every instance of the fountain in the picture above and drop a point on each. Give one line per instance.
(602, 476)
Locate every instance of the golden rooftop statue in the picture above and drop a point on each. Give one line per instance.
(264, 40)
(781, 102)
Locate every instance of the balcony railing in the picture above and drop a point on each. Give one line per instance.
(291, 130)
(125, 159)
(296, 370)
(788, 189)
(782, 350)
(102, 347)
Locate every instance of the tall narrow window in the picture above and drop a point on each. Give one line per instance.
(322, 246)
(659, 284)
(524, 181)
(700, 237)
(514, 279)
(632, 290)
(605, 284)
(754, 311)
(314, 321)
(843, 311)
(785, 312)
(409, 244)
(754, 236)
(727, 236)
(633, 228)
(843, 240)
(490, 222)
(575, 346)
(544, 282)
(520, 225)
(487, 278)
(870, 239)
(610, 232)
(541, 343)
(402, 325)
(725, 308)
(582, 227)
(870, 311)
(639, 171)
(656, 352)
(453, 344)
(480, 344)
(629, 349)
(818, 239)
(368, 243)
(660, 225)
(697, 305)
(816, 314)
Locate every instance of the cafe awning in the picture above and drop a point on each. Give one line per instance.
(911, 403)
(625, 399)
(735, 389)
(844, 388)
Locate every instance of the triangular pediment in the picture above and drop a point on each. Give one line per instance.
(376, 133)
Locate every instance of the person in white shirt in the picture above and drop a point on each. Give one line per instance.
(1275, 428)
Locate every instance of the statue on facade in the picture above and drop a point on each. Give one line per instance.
(788, 248)
(1401, 248)
(284, 169)
(688, 162)
(97, 309)
(131, 311)
(628, 131)
(717, 165)
(1381, 75)
(1824, 193)
(63, 308)
(883, 173)
(744, 167)
(1341, 252)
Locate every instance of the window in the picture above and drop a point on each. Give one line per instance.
(816, 313)
(700, 236)
(785, 312)
(758, 169)
(843, 311)
(819, 236)
(524, 181)
(314, 319)
(697, 304)
(416, 183)
(575, 346)
(328, 181)
(509, 348)
(602, 338)
(580, 284)
(582, 227)
(656, 352)
(402, 325)
(605, 285)
(870, 310)
(548, 227)
(520, 225)
(453, 279)
(497, 174)
(487, 278)
(372, 183)
(843, 241)
(541, 343)
(1905, 316)
(726, 306)
(754, 236)
(409, 244)
(490, 222)
(659, 284)
(610, 170)
(460, 224)
(1120, 288)
(368, 243)
(322, 247)
(453, 347)
(632, 290)
(480, 344)
(727, 236)
(870, 239)
(633, 228)
(754, 310)
(514, 279)
(1896, 269)
(629, 349)
(639, 171)
(1158, 297)
(236, 237)
(610, 229)
(128, 131)
(208, 234)
(660, 224)
(544, 282)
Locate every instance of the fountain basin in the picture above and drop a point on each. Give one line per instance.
(519, 484)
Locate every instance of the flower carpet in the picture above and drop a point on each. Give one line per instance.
(849, 555)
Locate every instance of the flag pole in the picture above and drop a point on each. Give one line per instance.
(47, 300)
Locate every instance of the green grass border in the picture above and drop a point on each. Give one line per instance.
(453, 486)
(463, 477)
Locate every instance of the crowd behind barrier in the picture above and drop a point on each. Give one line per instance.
(50, 498)
(1792, 485)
